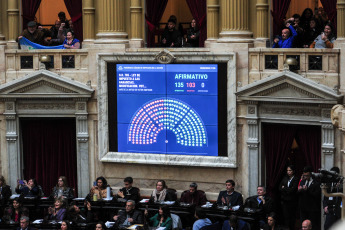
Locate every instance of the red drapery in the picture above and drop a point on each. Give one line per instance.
(29, 11)
(280, 8)
(154, 13)
(330, 7)
(309, 141)
(277, 146)
(49, 151)
(198, 9)
(74, 8)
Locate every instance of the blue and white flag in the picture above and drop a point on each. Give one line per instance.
(26, 44)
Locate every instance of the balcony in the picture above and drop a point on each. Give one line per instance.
(320, 65)
(69, 63)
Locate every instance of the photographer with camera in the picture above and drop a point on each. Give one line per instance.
(331, 205)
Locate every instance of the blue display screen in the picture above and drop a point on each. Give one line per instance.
(167, 109)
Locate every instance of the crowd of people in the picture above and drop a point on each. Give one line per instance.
(306, 31)
(302, 194)
(61, 33)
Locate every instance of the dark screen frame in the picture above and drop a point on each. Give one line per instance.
(222, 106)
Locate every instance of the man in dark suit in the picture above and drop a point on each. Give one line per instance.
(129, 192)
(309, 192)
(24, 224)
(128, 217)
(193, 195)
(230, 197)
(261, 203)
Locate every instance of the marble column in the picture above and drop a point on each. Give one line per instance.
(235, 22)
(136, 39)
(212, 21)
(13, 22)
(111, 22)
(327, 145)
(262, 23)
(82, 148)
(14, 160)
(341, 20)
(253, 148)
(88, 21)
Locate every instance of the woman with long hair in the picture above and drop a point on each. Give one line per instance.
(100, 188)
(62, 189)
(161, 219)
(325, 39)
(288, 195)
(193, 34)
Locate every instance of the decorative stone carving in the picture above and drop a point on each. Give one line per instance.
(251, 110)
(43, 83)
(335, 114)
(81, 106)
(9, 105)
(165, 57)
(292, 111)
(42, 106)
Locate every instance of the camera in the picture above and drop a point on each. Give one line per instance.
(327, 176)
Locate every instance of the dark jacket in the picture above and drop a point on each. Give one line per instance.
(333, 203)
(68, 193)
(172, 37)
(34, 192)
(310, 199)
(131, 194)
(136, 215)
(193, 42)
(234, 199)
(5, 192)
(289, 193)
(197, 198)
(262, 209)
(36, 37)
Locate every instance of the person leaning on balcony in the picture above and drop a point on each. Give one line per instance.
(71, 42)
(288, 36)
(325, 39)
(33, 34)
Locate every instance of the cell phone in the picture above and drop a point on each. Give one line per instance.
(95, 183)
(21, 182)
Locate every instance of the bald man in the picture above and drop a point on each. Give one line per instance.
(286, 40)
(306, 225)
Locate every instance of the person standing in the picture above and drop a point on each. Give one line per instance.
(288, 196)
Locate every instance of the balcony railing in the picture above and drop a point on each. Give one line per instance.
(70, 63)
(320, 65)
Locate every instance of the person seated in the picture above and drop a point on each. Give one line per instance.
(62, 189)
(27, 189)
(24, 224)
(161, 219)
(193, 34)
(325, 39)
(306, 225)
(161, 193)
(76, 216)
(14, 213)
(171, 37)
(129, 192)
(33, 34)
(193, 195)
(272, 223)
(59, 211)
(100, 189)
(128, 217)
(286, 41)
(261, 203)
(65, 225)
(230, 197)
(100, 226)
(5, 192)
(235, 223)
(202, 221)
(71, 42)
